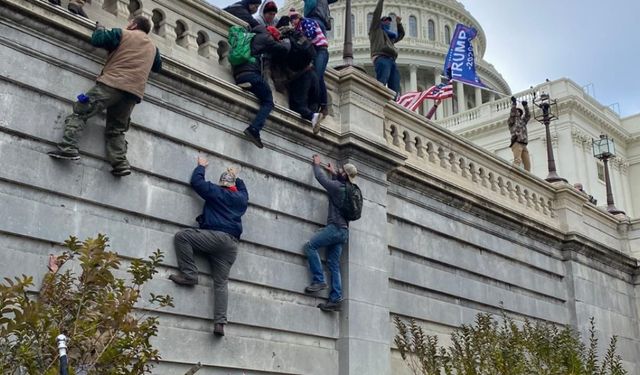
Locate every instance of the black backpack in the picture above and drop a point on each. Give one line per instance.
(350, 206)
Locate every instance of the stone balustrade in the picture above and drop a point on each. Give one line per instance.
(434, 152)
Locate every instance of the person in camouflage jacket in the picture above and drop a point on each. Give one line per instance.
(518, 120)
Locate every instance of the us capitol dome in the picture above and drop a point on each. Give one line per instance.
(428, 25)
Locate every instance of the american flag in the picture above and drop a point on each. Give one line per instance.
(412, 100)
(440, 91)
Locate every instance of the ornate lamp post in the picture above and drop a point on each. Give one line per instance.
(604, 149)
(549, 108)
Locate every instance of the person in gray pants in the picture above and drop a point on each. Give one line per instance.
(220, 227)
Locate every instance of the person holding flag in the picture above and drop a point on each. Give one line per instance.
(383, 49)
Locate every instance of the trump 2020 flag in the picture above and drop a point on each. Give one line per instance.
(460, 62)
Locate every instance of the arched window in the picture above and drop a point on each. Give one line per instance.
(413, 26)
(157, 17)
(394, 24)
(353, 25)
(330, 32)
(201, 39)
(431, 30)
(135, 8)
(369, 19)
(181, 33)
(447, 34)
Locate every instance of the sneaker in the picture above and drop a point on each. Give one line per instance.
(315, 123)
(331, 306)
(64, 155)
(181, 279)
(121, 171)
(218, 329)
(245, 85)
(315, 287)
(254, 138)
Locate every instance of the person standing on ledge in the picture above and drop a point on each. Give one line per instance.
(345, 204)
(119, 87)
(519, 136)
(383, 49)
(220, 227)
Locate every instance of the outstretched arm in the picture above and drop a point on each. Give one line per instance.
(400, 30)
(107, 39)
(375, 19)
(157, 62)
(527, 114)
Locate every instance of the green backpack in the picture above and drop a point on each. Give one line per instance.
(240, 46)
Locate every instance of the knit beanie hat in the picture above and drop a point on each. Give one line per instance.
(293, 13)
(270, 7)
(228, 178)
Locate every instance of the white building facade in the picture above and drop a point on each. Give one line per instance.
(581, 119)
(428, 25)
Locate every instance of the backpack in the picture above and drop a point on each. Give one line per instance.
(351, 205)
(302, 51)
(240, 46)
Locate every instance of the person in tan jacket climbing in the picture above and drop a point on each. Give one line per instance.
(119, 87)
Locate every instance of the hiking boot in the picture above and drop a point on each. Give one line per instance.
(315, 123)
(64, 155)
(331, 306)
(223, 50)
(316, 287)
(182, 279)
(218, 329)
(254, 137)
(245, 85)
(121, 171)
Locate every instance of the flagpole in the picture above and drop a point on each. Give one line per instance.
(482, 88)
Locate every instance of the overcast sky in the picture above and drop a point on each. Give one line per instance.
(588, 41)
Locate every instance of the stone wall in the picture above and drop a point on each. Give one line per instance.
(448, 230)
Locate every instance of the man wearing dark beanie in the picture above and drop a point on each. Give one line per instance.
(267, 13)
(244, 9)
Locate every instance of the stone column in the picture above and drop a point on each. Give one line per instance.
(413, 78)
(478, 97)
(462, 101)
(365, 325)
(492, 97)
(447, 102)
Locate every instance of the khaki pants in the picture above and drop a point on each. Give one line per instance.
(521, 156)
(119, 105)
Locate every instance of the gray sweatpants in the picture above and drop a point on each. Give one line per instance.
(221, 248)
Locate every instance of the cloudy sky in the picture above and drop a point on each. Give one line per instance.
(589, 41)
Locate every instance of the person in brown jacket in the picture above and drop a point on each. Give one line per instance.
(119, 87)
(517, 122)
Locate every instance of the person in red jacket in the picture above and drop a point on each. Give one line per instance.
(217, 235)
(119, 87)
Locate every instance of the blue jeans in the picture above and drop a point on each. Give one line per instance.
(320, 63)
(387, 73)
(260, 88)
(332, 238)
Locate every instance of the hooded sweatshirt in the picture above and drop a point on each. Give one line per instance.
(241, 10)
(319, 9)
(381, 43)
(262, 43)
(259, 16)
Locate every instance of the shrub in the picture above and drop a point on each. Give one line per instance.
(488, 347)
(96, 309)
